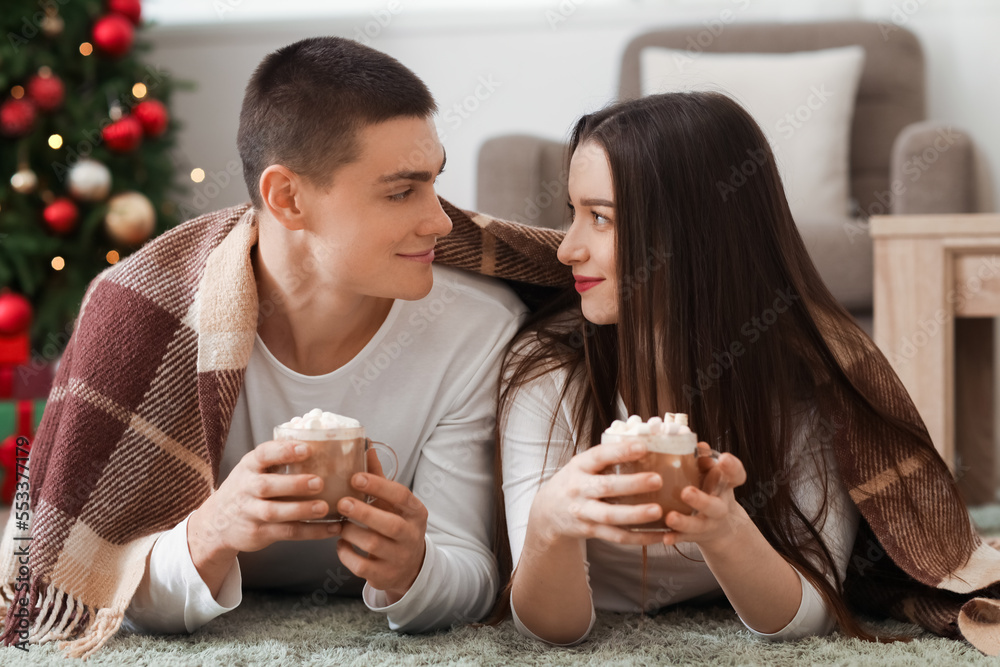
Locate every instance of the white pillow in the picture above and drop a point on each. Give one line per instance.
(802, 101)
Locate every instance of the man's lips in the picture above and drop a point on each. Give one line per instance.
(584, 283)
(425, 257)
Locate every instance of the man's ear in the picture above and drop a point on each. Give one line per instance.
(281, 192)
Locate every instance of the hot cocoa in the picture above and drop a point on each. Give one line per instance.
(337, 447)
(672, 454)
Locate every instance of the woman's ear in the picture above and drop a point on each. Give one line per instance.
(281, 192)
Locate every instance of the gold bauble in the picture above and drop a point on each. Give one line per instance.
(24, 181)
(130, 219)
(52, 25)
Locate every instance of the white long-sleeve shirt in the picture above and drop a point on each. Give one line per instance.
(425, 386)
(614, 571)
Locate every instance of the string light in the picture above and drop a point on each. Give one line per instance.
(58, 263)
(17, 92)
(197, 174)
(55, 141)
(139, 91)
(112, 257)
(86, 48)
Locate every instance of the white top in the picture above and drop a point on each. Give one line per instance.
(615, 571)
(425, 385)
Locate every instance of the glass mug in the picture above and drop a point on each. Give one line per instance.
(678, 460)
(336, 454)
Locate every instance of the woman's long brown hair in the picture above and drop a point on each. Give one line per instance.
(719, 299)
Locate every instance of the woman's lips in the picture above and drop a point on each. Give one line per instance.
(422, 257)
(584, 283)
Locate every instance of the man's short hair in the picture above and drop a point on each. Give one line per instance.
(306, 102)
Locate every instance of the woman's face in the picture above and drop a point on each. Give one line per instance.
(589, 245)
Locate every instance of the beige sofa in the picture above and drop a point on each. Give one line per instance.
(523, 177)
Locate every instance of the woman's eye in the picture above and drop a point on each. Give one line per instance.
(600, 219)
(401, 196)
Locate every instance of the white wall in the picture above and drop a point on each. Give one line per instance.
(549, 62)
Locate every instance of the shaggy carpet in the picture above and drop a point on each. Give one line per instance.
(292, 630)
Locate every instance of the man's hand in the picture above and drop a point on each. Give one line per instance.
(392, 534)
(244, 515)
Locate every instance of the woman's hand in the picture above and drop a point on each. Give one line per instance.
(718, 516)
(570, 504)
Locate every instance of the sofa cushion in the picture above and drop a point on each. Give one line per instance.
(803, 101)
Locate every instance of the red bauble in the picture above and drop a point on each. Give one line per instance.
(47, 92)
(153, 116)
(113, 35)
(15, 314)
(61, 215)
(17, 117)
(130, 9)
(123, 135)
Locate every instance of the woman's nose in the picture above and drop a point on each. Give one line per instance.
(571, 250)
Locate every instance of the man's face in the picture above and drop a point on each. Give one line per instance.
(372, 230)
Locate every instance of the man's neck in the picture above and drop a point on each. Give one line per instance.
(311, 329)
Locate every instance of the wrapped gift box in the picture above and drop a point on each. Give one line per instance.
(14, 349)
(26, 381)
(8, 417)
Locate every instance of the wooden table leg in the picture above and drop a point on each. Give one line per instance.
(914, 328)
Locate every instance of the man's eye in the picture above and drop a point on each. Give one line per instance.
(401, 196)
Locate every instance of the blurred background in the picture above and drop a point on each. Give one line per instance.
(550, 62)
(118, 121)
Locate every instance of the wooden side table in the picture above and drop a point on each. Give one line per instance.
(937, 290)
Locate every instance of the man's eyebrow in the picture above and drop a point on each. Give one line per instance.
(410, 175)
(597, 202)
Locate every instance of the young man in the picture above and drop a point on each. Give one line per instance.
(340, 156)
(151, 495)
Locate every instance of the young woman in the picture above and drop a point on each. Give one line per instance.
(696, 295)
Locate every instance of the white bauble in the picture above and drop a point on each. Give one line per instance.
(89, 180)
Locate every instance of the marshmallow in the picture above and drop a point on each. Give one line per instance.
(671, 424)
(669, 435)
(317, 419)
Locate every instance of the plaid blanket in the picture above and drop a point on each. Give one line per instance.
(132, 436)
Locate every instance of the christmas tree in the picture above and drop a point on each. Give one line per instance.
(85, 165)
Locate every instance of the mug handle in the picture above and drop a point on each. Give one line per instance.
(381, 446)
